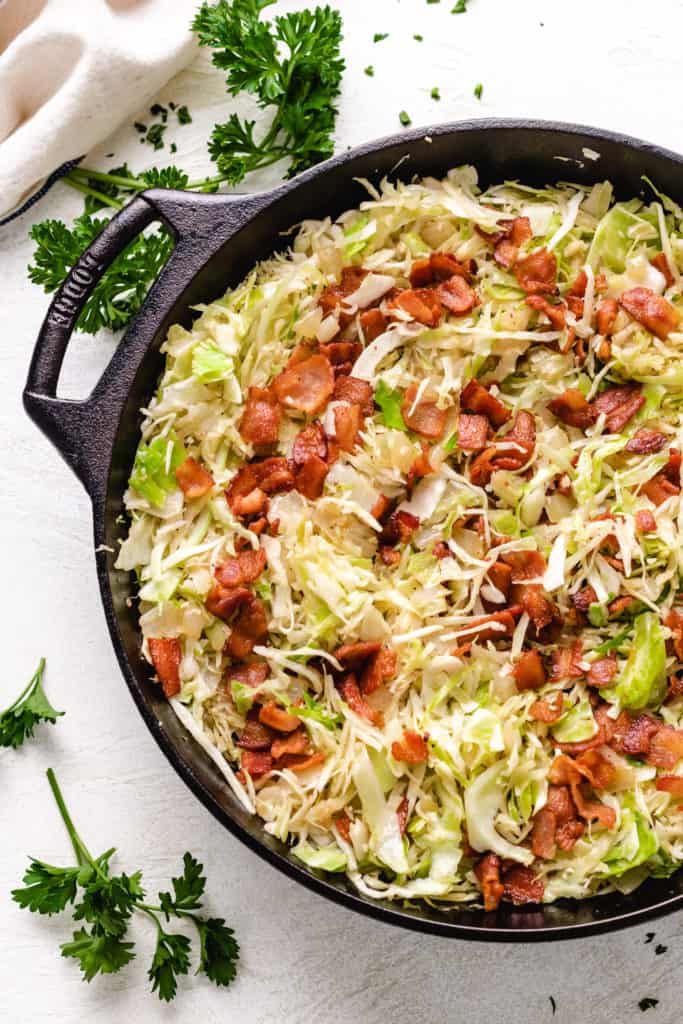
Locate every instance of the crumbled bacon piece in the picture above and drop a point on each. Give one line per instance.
(557, 314)
(343, 826)
(340, 352)
(441, 550)
(247, 491)
(560, 802)
(602, 671)
(457, 296)
(347, 419)
(373, 323)
(294, 763)
(260, 423)
(256, 763)
(332, 297)
(543, 834)
(473, 432)
(421, 304)
(244, 568)
(577, 289)
(646, 442)
(389, 555)
(540, 609)
(548, 710)
(355, 392)
(425, 417)
(309, 458)
(476, 398)
(438, 266)
(661, 263)
(537, 273)
(411, 748)
(512, 234)
(606, 316)
(402, 815)
(584, 598)
(500, 575)
(256, 735)
(380, 668)
(596, 768)
(307, 386)
(349, 692)
(620, 404)
(399, 528)
(523, 432)
(353, 655)
(659, 489)
(653, 311)
(487, 871)
(674, 621)
(420, 468)
(572, 408)
(252, 675)
(671, 784)
(493, 627)
(223, 601)
(529, 672)
(193, 479)
(645, 521)
(524, 565)
(295, 743)
(523, 886)
(166, 655)
(566, 662)
(380, 508)
(248, 628)
(276, 718)
(564, 771)
(568, 833)
(666, 747)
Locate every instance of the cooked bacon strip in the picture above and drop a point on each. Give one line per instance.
(294, 763)
(492, 627)
(438, 266)
(548, 710)
(347, 420)
(380, 668)
(420, 468)
(646, 442)
(295, 743)
(537, 273)
(421, 304)
(380, 508)
(500, 575)
(487, 871)
(602, 671)
(402, 812)
(666, 747)
(193, 479)
(457, 296)
(674, 689)
(671, 784)
(276, 718)
(247, 491)
(557, 314)
(248, 627)
(572, 408)
(307, 386)
(223, 601)
(309, 458)
(411, 748)
(309, 441)
(260, 423)
(566, 662)
(524, 565)
(653, 311)
(529, 672)
(252, 675)
(355, 392)
(353, 655)
(560, 802)
(567, 834)
(373, 323)
(256, 735)
(476, 398)
(244, 568)
(340, 352)
(619, 404)
(523, 432)
(543, 834)
(472, 432)
(166, 655)
(660, 488)
(564, 771)
(425, 418)
(523, 886)
(596, 768)
(512, 234)
(256, 763)
(661, 263)
(349, 692)
(606, 316)
(540, 609)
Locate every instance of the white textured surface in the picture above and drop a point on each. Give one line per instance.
(613, 63)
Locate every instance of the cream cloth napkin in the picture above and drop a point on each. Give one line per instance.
(71, 71)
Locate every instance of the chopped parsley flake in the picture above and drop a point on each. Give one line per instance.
(404, 118)
(379, 36)
(435, 94)
(659, 949)
(369, 71)
(460, 7)
(478, 90)
(184, 116)
(418, 37)
(648, 1003)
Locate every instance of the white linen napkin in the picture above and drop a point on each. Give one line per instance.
(71, 71)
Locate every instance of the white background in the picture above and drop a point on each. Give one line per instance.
(611, 63)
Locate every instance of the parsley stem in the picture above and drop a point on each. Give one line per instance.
(32, 683)
(81, 851)
(86, 190)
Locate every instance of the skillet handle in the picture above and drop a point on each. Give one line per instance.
(83, 431)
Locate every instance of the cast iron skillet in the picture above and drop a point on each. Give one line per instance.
(217, 241)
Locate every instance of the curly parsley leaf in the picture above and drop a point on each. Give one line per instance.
(389, 401)
(107, 903)
(292, 65)
(30, 708)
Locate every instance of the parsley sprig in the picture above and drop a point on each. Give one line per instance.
(106, 903)
(30, 708)
(292, 65)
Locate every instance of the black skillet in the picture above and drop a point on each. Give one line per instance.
(217, 241)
